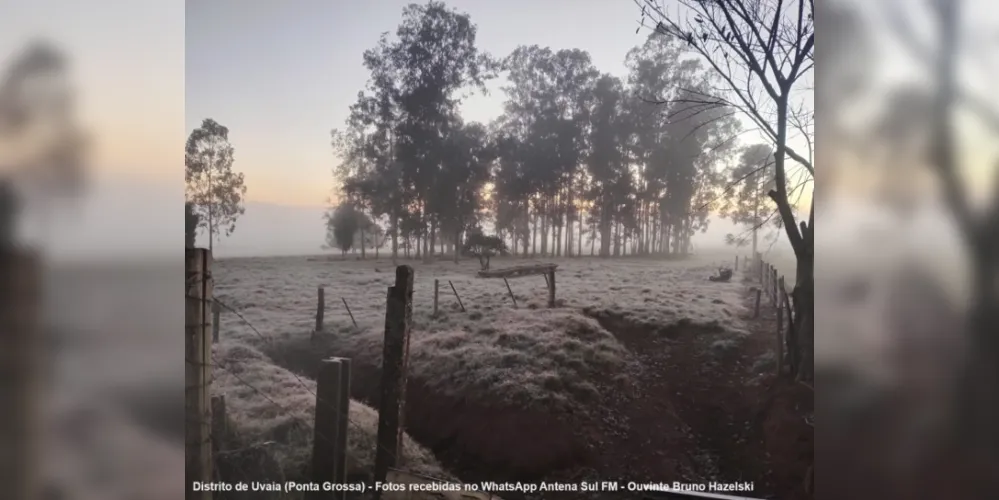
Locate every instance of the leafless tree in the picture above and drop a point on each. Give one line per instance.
(761, 50)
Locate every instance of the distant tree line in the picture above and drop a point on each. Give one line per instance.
(579, 162)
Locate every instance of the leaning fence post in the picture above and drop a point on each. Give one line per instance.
(462, 306)
(514, 299)
(198, 370)
(398, 316)
(352, 320)
(320, 310)
(20, 357)
(330, 440)
(551, 287)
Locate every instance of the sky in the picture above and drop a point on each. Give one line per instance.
(281, 75)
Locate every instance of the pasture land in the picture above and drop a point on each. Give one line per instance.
(643, 371)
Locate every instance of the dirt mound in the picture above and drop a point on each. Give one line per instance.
(548, 361)
(471, 428)
(628, 323)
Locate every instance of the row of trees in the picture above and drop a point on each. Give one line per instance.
(637, 163)
(576, 152)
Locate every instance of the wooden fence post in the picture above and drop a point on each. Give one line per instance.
(551, 287)
(398, 317)
(220, 424)
(756, 311)
(736, 263)
(320, 310)
(780, 336)
(216, 316)
(329, 444)
(514, 299)
(437, 289)
(352, 320)
(20, 356)
(770, 282)
(462, 306)
(340, 472)
(198, 373)
(773, 281)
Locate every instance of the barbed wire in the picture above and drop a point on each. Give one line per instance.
(344, 413)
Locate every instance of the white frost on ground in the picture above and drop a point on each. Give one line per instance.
(278, 295)
(267, 403)
(530, 356)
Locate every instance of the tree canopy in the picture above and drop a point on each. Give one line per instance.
(633, 160)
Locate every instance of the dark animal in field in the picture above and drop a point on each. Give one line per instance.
(724, 275)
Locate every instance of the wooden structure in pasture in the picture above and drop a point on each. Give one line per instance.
(546, 270)
(519, 271)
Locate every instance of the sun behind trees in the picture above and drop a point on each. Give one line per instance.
(576, 152)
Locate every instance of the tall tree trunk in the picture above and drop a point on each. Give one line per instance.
(756, 210)
(211, 209)
(534, 234)
(569, 218)
(803, 244)
(559, 223)
(545, 224)
(432, 249)
(395, 238)
(617, 238)
(605, 230)
(457, 246)
(362, 244)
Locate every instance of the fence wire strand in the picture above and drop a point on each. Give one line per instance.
(344, 413)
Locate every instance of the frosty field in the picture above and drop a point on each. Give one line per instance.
(592, 386)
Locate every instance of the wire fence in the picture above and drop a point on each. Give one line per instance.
(203, 308)
(764, 271)
(344, 413)
(772, 284)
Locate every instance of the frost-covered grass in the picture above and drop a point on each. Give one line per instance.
(552, 360)
(269, 404)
